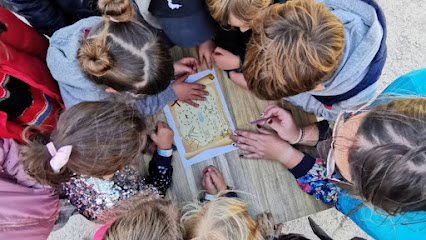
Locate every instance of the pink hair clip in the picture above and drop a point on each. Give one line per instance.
(60, 157)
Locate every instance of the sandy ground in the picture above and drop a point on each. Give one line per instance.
(406, 22)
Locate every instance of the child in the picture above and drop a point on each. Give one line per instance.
(28, 93)
(92, 154)
(28, 210)
(322, 56)
(142, 217)
(222, 215)
(380, 156)
(96, 57)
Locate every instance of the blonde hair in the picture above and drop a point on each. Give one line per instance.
(221, 219)
(146, 217)
(105, 137)
(245, 10)
(121, 53)
(294, 47)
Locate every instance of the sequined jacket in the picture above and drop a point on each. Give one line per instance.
(91, 196)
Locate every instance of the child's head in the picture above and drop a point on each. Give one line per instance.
(221, 219)
(146, 218)
(121, 53)
(104, 137)
(236, 13)
(294, 47)
(386, 157)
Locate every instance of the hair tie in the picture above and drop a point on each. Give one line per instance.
(60, 157)
(113, 19)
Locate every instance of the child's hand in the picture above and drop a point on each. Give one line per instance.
(213, 181)
(205, 51)
(225, 60)
(267, 145)
(188, 65)
(238, 78)
(187, 92)
(283, 123)
(163, 136)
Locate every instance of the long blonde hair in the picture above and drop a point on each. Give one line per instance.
(221, 219)
(121, 53)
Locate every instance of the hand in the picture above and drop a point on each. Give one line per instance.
(187, 92)
(267, 145)
(283, 123)
(238, 78)
(205, 51)
(268, 227)
(188, 65)
(213, 181)
(163, 137)
(225, 60)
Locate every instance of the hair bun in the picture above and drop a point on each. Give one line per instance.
(94, 58)
(120, 10)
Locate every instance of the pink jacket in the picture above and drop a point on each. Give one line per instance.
(27, 209)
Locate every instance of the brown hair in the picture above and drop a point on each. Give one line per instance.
(245, 10)
(104, 136)
(220, 219)
(388, 157)
(294, 47)
(125, 55)
(146, 218)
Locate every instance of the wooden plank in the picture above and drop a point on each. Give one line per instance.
(266, 184)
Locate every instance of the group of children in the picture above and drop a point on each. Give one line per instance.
(85, 139)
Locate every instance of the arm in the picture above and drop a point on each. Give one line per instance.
(311, 177)
(151, 104)
(42, 14)
(160, 173)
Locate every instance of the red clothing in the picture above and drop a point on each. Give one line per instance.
(23, 56)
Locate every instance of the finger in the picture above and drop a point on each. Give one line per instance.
(206, 169)
(279, 230)
(186, 69)
(209, 181)
(250, 135)
(196, 97)
(241, 139)
(247, 148)
(182, 78)
(214, 169)
(270, 218)
(252, 156)
(263, 131)
(209, 61)
(190, 102)
(268, 108)
(219, 50)
(197, 86)
(199, 92)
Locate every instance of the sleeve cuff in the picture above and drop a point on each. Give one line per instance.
(323, 129)
(160, 160)
(303, 167)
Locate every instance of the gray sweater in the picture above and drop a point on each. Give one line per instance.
(363, 34)
(75, 87)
